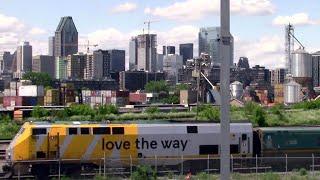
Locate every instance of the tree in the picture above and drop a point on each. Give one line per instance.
(171, 99)
(144, 173)
(107, 109)
(43, 79)
(39, 112)
(260, 116)
(156, 87)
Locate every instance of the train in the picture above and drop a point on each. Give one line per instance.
(38, 145)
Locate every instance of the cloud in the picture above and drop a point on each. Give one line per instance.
(125, 7)
(37, 31)
(189, 10)
(13, 31)
(295, 19)
(267, 51)
(8, 23)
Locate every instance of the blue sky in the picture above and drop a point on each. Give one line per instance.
(256, 24)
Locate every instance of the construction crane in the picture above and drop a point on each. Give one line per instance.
(149, 22)
(88, 45)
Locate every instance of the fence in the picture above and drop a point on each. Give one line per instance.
(182, 165)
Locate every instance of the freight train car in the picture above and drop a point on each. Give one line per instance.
(87, 143)
(291, 141)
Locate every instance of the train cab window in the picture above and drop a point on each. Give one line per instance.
(39, 131)
(40, 155)
(85, 131)
(234, 149)
(118, 130)
(101, 130)
(192, 129)
(244, 137)
(73, 131)
(208, 149)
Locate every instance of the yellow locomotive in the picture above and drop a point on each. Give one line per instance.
(38, 144)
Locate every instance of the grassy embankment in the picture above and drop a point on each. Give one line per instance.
(306, 113)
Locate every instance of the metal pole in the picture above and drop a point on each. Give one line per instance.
(225, 58)
(312, 164)
(100, 167)
(208, 164)
(59, 169)
(18, 171)
(231, 163)
(104, 164)
(256, 164)
(181, 165)
(198, 86)
(130, 165)
(155, 164)
(286, 164)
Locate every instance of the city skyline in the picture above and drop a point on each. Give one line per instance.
(109, 26)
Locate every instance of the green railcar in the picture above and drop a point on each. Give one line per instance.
(288, 140)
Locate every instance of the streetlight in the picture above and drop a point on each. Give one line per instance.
(225, 57)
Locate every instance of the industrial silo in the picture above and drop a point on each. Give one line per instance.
(301, 68)
(292, 92)
(236, 89)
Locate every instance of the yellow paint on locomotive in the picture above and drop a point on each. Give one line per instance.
(76, 147)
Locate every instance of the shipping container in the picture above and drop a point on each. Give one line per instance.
(31, 91)
(7, 92)
(138, 97)
(13, 92)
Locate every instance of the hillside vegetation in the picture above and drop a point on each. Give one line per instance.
(302, 114)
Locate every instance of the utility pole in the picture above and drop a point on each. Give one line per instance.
(225, 56)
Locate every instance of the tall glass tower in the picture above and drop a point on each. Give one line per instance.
(209, 43)
(66, 38)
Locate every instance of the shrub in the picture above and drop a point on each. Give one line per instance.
(107, 109)
(303, 172)
(144, 173)
(259, 116)
(278, 111)
(210, 113)
(271, 176)
(38, 112)
(203, 176)
(152, 110)
(80, 109)
(249, 108)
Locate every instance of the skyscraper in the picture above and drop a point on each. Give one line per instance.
(209, 43)
(61, 67)
(106, 63)
(94, 66)
(117, 60)
(6, 60)
(186, 51)
(171, 65)
(51, 46)
(147, 52)
(43, 63)
(24, 58)
(133, 53)
(169, 50)
(66, 38)
(76, 66)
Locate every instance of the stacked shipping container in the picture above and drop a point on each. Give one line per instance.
(20, 94)
(103, 97)
(52, 97)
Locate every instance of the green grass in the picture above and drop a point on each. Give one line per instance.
(282, 117)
